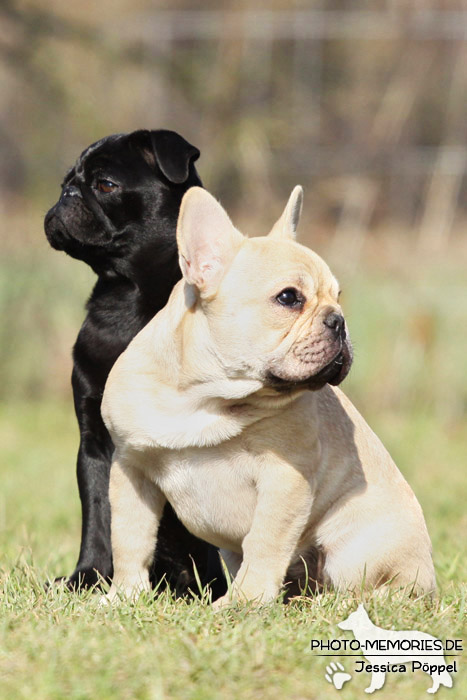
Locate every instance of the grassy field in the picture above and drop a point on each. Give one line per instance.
(408, 325)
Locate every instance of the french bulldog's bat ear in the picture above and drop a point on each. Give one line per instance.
(173, 154)
(286, 225)
(207, 240)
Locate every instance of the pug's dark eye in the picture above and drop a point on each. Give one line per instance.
(106, 186)
(290, 297)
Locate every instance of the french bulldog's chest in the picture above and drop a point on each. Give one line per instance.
(213, 494)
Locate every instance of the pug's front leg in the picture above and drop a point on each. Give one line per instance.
(284, 500)
(136, 509)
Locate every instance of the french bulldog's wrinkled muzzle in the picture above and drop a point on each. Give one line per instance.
(321, 355)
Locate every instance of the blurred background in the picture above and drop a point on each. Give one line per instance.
(364, 103)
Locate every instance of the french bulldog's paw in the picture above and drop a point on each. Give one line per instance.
(253, 595)
(223, 602)
(124, 592)
(109, 598)
(241, 596)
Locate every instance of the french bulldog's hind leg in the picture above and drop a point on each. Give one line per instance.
(375, 559)
(137, 506)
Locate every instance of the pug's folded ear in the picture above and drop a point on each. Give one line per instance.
(170, 151)
(207, 241)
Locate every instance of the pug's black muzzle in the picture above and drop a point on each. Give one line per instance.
(54, 229)
(77, 221)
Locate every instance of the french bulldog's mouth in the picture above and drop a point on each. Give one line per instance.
(333, 373)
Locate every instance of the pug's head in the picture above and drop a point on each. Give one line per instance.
(119, 203)
(271, 306)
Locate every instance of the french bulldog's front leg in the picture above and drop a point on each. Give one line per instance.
(136, 509)
(284, 499)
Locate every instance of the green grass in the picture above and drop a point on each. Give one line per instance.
(409, 382)
(54, 644)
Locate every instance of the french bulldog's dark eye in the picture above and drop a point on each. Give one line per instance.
(290, 297)
(106, 186)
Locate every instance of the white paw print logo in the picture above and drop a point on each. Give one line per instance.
(336, 675)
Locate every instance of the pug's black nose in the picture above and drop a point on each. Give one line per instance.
(336, 323)
(70, 191)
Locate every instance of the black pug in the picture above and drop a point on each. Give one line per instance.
(118, 213)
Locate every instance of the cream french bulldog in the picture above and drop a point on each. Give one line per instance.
(225, 405)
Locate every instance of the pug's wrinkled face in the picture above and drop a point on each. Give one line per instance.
(271, 304)
(120, 200)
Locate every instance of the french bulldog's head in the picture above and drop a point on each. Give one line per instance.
(270, 304)
(122, 198)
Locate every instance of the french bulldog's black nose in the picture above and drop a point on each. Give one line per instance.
(70, 191)
(336, 323)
